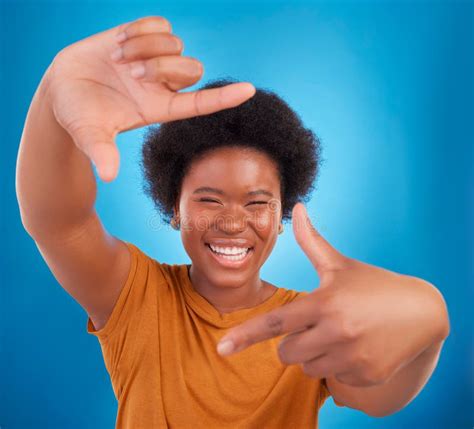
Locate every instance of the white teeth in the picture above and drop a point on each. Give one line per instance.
(240, 251)
(232, 258)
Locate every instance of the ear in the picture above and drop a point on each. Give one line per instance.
(280, 222)
(176, 207)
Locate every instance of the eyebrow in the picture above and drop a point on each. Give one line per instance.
(207, 189)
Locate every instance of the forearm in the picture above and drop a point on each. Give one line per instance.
(405, 385)
(55, 183)
(388, 398)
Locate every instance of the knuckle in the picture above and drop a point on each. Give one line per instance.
(363, 360)
(346, 331)
(128, 50)
(344, 328)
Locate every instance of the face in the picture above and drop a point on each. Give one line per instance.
(229, 211)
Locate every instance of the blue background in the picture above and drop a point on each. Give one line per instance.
(387, 86)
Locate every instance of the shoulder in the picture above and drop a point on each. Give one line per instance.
(148, 270)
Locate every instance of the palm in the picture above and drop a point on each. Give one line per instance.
(106, 96)
(94, 98)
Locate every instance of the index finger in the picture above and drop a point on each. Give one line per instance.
(205, 101)
(141, 26)
(296, 316)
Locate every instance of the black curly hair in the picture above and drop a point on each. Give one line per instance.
(264, 122)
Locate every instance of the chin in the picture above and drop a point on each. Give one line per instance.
(227, 280)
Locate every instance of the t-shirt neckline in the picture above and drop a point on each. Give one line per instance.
(206, 310)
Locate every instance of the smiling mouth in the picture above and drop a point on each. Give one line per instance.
(235, 260)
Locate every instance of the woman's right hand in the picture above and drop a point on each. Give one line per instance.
(95, 97)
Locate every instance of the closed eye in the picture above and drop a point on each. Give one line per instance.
(208, 200)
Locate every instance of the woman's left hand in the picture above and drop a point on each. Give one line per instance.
(361, 325)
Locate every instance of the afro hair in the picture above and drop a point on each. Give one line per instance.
(265, 122)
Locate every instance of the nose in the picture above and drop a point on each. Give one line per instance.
(231, 220)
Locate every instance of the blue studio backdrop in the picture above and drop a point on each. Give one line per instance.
(388, 88)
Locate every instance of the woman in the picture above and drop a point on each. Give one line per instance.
(237, 164)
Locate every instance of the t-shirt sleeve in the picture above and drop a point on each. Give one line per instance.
(129, 297)
(118, 336)
(325, 393)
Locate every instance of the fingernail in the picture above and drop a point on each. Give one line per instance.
(225, 347)
(138, 70)
(121, 37)
(117, 54)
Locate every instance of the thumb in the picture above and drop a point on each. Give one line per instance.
(103, 153)
(322, 255)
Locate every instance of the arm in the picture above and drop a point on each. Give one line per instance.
(373, 334)
(402, 387)
(388, 398)
(56, 191)
(84, 100)
(55, 184)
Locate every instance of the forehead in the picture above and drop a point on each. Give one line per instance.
(233, 169)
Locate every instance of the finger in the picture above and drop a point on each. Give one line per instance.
(206, 101)
(321, 366)
(106, 158)
(146, 25)
(296, 316)
(148, 46)
(321, 254)
(102, 151)
(175, 70)
(299, 347)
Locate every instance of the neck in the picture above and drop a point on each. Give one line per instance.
(228, 299)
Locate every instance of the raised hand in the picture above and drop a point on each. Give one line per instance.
(124, 78)
(361, 325)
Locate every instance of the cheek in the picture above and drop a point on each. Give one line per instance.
(193, 226)
(265, 222)
(196, 219)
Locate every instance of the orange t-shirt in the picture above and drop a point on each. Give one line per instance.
(159, 348)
